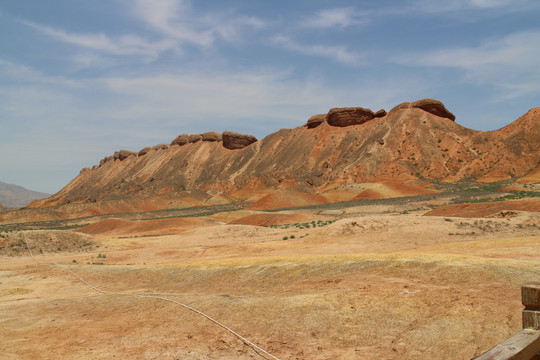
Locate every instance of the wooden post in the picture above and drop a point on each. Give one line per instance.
(530, 298)
(525, 345)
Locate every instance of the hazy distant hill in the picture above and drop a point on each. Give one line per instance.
(17, 196)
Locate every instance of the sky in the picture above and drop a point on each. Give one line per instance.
(81, 79)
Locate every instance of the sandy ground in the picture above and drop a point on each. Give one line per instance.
(355, 286)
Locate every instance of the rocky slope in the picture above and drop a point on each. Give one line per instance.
(413, 141)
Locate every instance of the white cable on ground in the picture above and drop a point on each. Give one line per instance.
(244, 340)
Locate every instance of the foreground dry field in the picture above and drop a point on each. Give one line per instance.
(360, 284)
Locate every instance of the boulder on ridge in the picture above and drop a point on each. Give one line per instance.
(349, 116)
(181, 140)
(316, 120)
(145, 150)
(380, 113)
(235, 141)
(195, 138)
(211, 136)
(434, 107)
(123, 154)
(161, 147)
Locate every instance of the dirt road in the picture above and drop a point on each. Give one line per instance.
(363, 287)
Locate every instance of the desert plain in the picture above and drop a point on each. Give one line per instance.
(361, 280)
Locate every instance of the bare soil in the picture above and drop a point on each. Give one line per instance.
(352, 283)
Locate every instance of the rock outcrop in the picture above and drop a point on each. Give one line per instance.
(236, 141)
(161, 147)
(123, 154)
(195, 138)
(349, 116)
(434, 107)
(145, 151)
(380, 113)
(180, 140)
(211, 136)
(316, 120)
(105, 160)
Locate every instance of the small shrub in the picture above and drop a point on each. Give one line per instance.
(285, 238)
(292, 237)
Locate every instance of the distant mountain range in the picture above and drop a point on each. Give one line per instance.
(16, 196)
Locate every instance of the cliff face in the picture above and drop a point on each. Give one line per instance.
(410, 142)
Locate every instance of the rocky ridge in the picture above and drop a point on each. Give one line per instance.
(417, 140)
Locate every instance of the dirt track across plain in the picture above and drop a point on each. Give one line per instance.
(363, 287)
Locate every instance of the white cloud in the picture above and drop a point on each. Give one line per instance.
(441, 6)
(336, 52)
(510, 62)
(231, 27)
(176, 19)
(173, 18)
(337, 17)
(122, 45)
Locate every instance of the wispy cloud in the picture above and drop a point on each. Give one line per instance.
(122, 45)
(443, 6)
(173, 18)
(509, 62)
(176, 19)
(336, 17)
(338, 53)
(174, 22)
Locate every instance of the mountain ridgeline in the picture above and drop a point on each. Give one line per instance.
(413, 141)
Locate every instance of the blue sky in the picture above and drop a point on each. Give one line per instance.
(82, 79)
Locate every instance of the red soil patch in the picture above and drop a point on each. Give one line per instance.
(485, 209)
(495, 176)
(409, 189)
(532, 177)
(367, 194)
(144, 227)
(287, 198)
(272, 219)
(511, 188)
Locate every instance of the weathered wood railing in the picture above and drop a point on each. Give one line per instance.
(525, 345)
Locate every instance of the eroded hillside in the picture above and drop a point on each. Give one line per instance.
(413, 141)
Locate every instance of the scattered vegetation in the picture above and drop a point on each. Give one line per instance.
(307, 225)
(143, 236)
(514, 195)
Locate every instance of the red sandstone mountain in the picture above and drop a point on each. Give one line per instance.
(347, 146)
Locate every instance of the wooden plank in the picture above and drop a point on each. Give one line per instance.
(530, 296)
(531, 319)
(523, 345)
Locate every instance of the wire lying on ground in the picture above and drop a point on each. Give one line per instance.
(246, 342)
